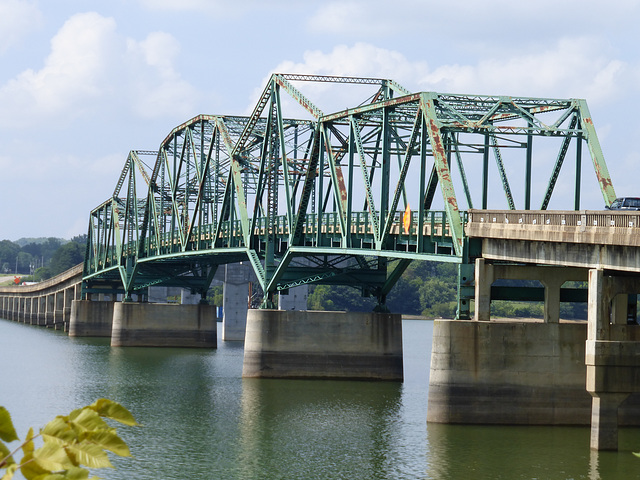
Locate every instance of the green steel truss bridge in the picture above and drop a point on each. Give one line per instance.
(349, 197)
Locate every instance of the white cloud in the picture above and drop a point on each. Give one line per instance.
(359, 60)
(74, 73)
(157, 88)
(90, 69)
(17, 19)
(574, 67)
(211, 7)
(571, 68)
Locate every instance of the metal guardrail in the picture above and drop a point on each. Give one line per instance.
(434, 225)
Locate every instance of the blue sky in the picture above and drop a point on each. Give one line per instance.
(83, 82)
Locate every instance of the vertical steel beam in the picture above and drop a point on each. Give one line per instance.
(386, 161)
(597, 157)
(576, 201)
(433, 125)
(559, 162)
(485, 172)
(527, 174)
(502, 172)
(424, 139)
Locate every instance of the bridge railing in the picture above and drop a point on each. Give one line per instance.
(403, 232)
(604, 227)
(434, 224)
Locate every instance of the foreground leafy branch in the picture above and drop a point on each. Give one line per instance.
(70, 442)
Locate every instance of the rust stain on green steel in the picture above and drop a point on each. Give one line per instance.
(604, 179)
(443, 171)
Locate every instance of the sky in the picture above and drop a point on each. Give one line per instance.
(83, 82)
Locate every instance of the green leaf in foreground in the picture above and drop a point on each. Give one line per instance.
(110, 409)
(69, 443)
(7, 431)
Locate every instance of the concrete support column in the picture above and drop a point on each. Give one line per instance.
(296, 299)
(604, 420)
(303, 344)
(483, 281)
(599, 306)
(163, 325)
(15, 316)
(27, 310)
(42, 310)
(58, 316)
(68, 296)
(50, 312)
(22, 307)
(90, 319)
(552, 299)
(235, 301)
(611, 356)
(188, 298)
(619, 309)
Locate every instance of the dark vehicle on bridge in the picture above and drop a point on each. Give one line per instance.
(625, 203)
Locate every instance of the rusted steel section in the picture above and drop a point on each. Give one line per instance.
(182, 126)
(442, 169)
(253, 119)
(599, 165)
(298, 96)
(340, 191)
(392, 102)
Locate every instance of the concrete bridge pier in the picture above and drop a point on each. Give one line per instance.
(42, 310)
(295, 299)
(235, 301)
(308, 344)
(58, 312)
(50, 310)
(91, 318)
(163, 325)
(612, 354)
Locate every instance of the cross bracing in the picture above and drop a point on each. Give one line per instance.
(347, 197)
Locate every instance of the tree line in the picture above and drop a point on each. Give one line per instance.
(426, 288)
(429, 289)
(41, 258)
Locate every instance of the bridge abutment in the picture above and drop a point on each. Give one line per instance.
(313, 344)
(163, 325)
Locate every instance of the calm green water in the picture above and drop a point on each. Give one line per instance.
(201, 420)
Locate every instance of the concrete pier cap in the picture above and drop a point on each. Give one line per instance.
(320, 344)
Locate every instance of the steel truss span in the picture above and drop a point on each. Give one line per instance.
(350, 197)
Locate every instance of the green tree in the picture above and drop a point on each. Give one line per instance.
(433, 293)
(68, 443)
(8, 253)
(68, 255)
(405, 296)
(338, 298)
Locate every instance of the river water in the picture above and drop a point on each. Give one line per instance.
(201, 420)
